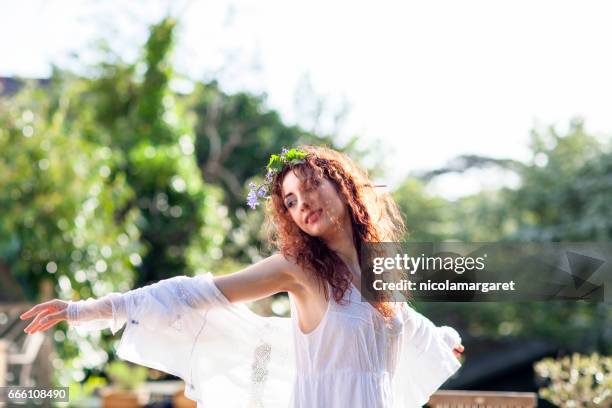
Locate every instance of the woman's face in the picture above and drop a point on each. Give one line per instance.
(317, 212)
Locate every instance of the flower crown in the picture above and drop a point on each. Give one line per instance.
(275, 165)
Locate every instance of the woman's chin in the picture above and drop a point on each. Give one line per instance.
(313, 232)
(318, 229)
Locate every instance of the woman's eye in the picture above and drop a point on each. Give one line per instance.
(290, 204)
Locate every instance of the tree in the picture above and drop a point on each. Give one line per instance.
(181, 218)
(563, 195)
(565, 191)
(58, 220)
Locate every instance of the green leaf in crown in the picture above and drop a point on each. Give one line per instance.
(275, 164)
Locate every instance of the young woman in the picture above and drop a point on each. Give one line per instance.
(336, 350)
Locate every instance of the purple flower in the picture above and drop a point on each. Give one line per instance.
(252, 185)
(269, 176)
(261, 192)
(284, 151)
(252, 200)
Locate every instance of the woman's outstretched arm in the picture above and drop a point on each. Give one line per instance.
(265, 278)
(269, 276)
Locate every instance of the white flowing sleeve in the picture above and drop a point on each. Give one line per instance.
(427, 359)
(97, 314)
(227, 355)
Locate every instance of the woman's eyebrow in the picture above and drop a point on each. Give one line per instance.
(288, 194)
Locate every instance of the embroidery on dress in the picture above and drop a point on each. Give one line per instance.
(177, 323)
(259, 373)
(184, 295)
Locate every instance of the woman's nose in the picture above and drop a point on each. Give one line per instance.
(304, 205)
(305, 202)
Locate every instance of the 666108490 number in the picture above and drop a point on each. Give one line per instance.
(25, 394)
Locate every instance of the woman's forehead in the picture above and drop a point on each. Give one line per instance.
(295, 179)
(290, 182)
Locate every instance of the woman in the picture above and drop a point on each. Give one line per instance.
(345, 353)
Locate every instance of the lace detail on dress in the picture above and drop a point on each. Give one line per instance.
(259, 373)
(184, 294)
(187, 299)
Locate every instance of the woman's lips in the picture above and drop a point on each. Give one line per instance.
(314, 217)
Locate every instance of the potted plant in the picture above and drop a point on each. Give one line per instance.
(124, 391)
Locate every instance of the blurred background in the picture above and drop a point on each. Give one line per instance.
(129, 134)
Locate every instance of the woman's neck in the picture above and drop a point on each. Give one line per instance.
(341, 241)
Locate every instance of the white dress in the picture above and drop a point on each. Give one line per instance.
(229, 356)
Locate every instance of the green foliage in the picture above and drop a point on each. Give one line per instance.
(149, 127)
(79, 393)
(126, 376)
(563, 195)
(427, 216)
(59, 204)
(277, 162)
(576, 381)
(565, 191)
(59, 209)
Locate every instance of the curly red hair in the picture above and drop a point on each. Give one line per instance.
(375, 217)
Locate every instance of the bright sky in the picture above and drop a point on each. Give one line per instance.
(429, 79)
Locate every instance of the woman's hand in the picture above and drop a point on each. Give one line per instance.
(48, 314)
(458, 350)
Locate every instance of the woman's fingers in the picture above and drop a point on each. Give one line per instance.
(51, 320)
(31, 328)
(49, 314)
(49, 324)
(458, 350)
(38, 308)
